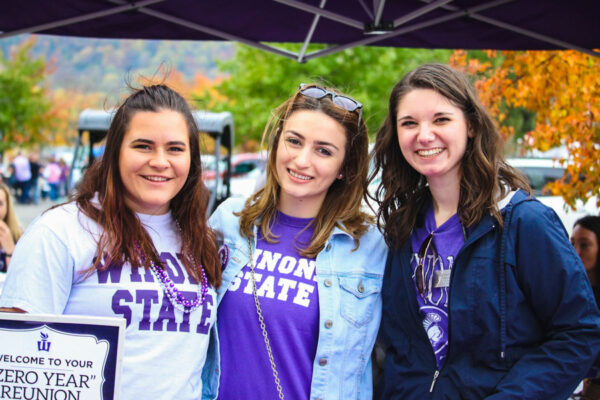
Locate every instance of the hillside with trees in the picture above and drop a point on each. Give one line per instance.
(102, 65)
(46, 81)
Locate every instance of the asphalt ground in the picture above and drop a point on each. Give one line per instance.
(28, 212)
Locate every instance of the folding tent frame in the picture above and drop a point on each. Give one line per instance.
(375, 30)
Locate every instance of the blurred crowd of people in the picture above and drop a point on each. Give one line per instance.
(31, 178)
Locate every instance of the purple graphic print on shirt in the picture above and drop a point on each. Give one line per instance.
(447, 239)
(287, 289)
(151, 308)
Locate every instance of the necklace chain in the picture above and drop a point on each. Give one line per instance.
(170, 290)
(261, 320)
(175, 297)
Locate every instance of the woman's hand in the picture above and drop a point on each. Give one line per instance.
(6, 239)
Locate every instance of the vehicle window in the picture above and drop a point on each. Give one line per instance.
(539, 177)
(243, 168)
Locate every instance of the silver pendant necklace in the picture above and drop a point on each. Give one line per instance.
(261, 320)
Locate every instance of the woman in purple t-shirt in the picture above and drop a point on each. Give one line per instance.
(483, 295)
(300, 302)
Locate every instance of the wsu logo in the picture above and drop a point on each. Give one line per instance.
(44, 343)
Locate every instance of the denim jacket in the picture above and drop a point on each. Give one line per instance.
(349, 284)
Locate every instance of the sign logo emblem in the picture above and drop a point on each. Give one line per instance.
(44, 343)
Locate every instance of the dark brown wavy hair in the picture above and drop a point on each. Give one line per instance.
(592, 223)
(485, 176)
(122, 230)
(343, 202)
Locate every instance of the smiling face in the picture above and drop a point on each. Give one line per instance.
(586, 246)
(432, 134)
(310, 154)
(154, 160)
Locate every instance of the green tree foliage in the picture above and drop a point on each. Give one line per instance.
(259, 81)
(24, 107)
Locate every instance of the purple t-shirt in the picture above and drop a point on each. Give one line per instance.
(448, 239)
(287, 289)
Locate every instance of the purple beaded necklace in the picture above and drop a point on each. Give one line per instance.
(171, 291)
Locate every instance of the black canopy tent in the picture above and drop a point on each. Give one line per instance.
(468, 24)
(218, 125)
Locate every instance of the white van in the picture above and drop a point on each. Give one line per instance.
(540, 172)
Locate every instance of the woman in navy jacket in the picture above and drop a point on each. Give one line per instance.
(483, 295)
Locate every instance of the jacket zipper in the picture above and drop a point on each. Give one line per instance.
(435, 376)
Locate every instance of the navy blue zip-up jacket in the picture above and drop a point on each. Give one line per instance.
(523, 323)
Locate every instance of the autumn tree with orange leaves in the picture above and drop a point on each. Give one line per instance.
(562, 88)
(24, 107)
(67, 104)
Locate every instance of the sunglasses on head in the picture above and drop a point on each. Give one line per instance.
(345, 102)
(420, 270)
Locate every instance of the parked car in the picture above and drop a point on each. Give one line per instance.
(540, 172)
(247, 170)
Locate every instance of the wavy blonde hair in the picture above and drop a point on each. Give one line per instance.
(11, 217)
(343, 201)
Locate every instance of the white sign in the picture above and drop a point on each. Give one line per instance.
(60, 357)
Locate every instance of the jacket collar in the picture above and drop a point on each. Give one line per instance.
(339, 231)
(512, 199)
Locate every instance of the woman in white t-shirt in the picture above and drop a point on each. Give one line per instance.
(134, 243)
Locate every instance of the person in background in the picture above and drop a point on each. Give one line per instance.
(36, 168)
(9, 177)
(10, 229)
(483, 295)
(300, 303)
(63, 181)
(134, 243)
(52, 174)
(22, 177)
(586, 239)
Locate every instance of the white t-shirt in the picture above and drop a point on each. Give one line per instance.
(164, 350)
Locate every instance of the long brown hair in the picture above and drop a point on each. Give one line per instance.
(122, 230)
(485, 176)
(11, 219)
(342, 204)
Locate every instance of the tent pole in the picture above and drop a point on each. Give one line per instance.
(524, 32)
(407, 29)
(323, 13)
(221, 34)
(378, 8)
(80, 18)
(313, 26)
(421, 11)
(535, 35)
(374, 39)
(210, 31)
(367, 10)
(215, 32)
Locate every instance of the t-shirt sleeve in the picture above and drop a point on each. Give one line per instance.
(40, 275)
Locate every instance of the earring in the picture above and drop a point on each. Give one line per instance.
(340, 175)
